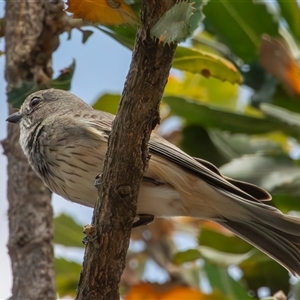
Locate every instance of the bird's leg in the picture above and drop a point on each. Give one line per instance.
(143, 220)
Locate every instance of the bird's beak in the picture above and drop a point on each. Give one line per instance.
(14, 118)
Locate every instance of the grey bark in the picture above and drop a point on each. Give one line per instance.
(126, 160)
(31, 35)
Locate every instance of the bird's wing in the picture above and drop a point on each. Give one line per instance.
(99, 120)
(92, 126)
(206, 171)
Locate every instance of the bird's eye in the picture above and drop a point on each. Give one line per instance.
(35, 101)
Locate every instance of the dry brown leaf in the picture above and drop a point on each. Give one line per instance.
(277, 59)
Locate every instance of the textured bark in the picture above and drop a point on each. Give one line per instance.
(31, 35)
(126, 160)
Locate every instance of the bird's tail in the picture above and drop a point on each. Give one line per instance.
(269, 230)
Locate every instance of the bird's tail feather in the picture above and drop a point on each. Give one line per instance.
(275, 234)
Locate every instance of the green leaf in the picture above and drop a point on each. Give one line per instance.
(266, 91)
(210, 152)
(17, 95)
(221, 242)
(259, 270)
(206, 64)
(63, 81)
(67, 232)
(86, 35)
(223, 259)
(268, 171)
(174, 25)
(282, 99)
(124, 35)
(288, 121)
(186, 59)
(254, 263)
(220, 280)
(198, 16)
(235, 145)
(255, 76)
(108, 102)
(295, 292)
(276, 173)
(186, 256)
(235, 23)
(209, 116)
(286, 199)
(66, 276)
(291, 12)
(216, 257)
(281, 114)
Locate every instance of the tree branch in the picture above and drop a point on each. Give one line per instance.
(31, 35)
(126, 161)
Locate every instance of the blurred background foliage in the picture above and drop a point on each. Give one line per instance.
(233, 98)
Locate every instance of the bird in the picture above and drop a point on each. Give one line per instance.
(65, 141)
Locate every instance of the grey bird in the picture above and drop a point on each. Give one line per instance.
(65, 141)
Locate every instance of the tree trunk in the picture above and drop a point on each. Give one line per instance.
(31, 35)
(126, 161)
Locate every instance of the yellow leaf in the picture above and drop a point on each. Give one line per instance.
(197, 87)
(106, 12)
(206, 64)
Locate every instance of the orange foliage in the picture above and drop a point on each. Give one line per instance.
(106, 12)
(168, 291)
